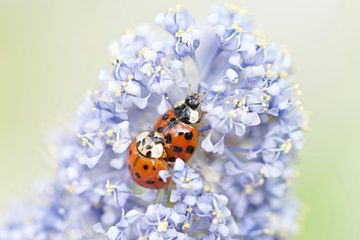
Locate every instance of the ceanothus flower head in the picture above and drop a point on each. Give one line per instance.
(238, 182)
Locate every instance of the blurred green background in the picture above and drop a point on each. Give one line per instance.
(51, 52)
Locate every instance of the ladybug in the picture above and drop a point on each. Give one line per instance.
(176, 125)
(147, 157)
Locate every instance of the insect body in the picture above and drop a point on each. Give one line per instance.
(147, 158)
(176, 125)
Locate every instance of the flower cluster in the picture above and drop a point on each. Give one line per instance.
(238, 184)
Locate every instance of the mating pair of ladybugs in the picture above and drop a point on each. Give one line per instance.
(174, 136)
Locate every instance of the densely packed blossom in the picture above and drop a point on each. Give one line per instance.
(237, 185)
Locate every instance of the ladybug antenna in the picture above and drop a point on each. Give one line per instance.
(190, 89)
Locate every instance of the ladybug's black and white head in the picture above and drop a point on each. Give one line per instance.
(192, 101)
(188, 110)
(150, 144)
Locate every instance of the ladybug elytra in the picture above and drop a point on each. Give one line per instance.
(174, 136)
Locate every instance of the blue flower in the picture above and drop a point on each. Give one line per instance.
(181, 25)
(238, 183)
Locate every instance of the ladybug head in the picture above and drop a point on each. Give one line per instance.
(192, 101)
(188, 110)
(150, 144)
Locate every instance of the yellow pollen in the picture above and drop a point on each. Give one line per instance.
(179, 33)
(269, 231)
(158, 68)
(109, 187)
(266, 97)
(217, 213)
(215, 221)
(207, 188)
(263, 43)
(249, 189)
(108, 141)
(84, 141)
(232, 113)
(163, 226)
(186, 185)
(186, 226)
(100, 134)
(69, 188)
(286, 146)
(142, 51)
(270, 74)
(227, 102)
(117, 92)
(261, 181)
(130, 77)
(110, 133)
(123, 84)
(142, 238)
(237, 28)
(189, 209)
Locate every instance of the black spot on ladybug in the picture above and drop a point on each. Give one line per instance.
(168, 138)
(190, 149)
(154, 168)
(172, 123)
(165, 117)
(160, 129)
(138, 175)
(171, 159)
(150, 182)
(130, 152)
(181, 133)
(160, 179)
(148, 154)
(146, 167)
(188, 135)
(148, 146)
(177, 149)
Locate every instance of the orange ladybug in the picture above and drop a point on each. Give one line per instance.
(147, 157)
(176, 125)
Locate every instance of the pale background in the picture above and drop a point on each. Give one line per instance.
(51, 51)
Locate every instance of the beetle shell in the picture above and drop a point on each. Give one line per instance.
(180, 138)
(145, 170)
